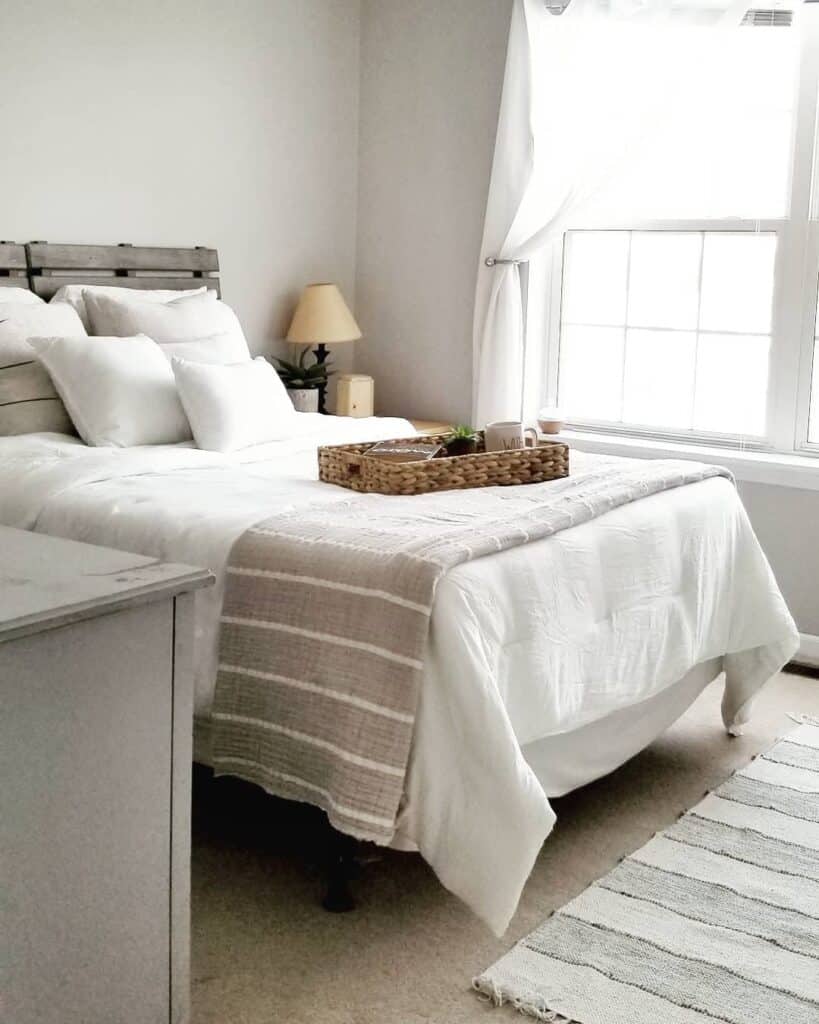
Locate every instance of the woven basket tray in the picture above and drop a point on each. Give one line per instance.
(349, 466)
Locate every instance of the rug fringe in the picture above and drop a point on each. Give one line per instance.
(535, 1007)
(803, 719)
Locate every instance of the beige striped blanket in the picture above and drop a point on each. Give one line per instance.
(325, 621)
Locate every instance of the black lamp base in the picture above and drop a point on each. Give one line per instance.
(321, 352)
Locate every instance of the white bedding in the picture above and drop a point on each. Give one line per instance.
(536, 642)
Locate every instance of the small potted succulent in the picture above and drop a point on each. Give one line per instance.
(304, 383)
(462, 440)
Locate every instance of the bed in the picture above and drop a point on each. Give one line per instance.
(546, 666)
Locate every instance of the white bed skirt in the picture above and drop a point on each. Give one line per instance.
(574, 759)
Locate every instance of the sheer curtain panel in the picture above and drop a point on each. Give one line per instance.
(587, 93)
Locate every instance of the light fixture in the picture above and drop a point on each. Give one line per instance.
(322, 318)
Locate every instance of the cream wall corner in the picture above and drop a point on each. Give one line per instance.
(431, 75)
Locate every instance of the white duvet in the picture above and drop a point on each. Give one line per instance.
(562, 635)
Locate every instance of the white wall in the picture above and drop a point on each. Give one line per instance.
(431, 74)
(192, 122)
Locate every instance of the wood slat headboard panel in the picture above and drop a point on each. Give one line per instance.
(13, 273)
(124, 266)
(44, 256)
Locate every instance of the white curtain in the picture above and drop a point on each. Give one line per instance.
(583, 93)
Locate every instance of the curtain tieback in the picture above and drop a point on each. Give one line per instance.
(491, 261)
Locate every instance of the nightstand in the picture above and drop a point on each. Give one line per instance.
(431, 427)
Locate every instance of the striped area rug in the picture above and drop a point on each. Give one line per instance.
(716, 919)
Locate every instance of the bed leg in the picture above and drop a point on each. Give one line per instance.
(338, 898)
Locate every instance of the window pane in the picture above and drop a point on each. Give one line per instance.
(591, 372)
(664, 279)
(813, 416)
(737, 282)
(659, 378)
(755, 163)
(813, 428)
(686, 346)
(595, 282)
(724, 149)
(732, 384)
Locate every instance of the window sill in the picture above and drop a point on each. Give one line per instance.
(799, 471)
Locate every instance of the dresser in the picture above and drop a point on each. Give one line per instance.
(95, 761)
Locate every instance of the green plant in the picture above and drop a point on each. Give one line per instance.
(461, 440)
(297, 375)
(461, 433)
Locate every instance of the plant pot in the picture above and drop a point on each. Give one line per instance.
(462, 446)
(304, 399)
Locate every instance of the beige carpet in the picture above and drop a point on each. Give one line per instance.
(264, 952)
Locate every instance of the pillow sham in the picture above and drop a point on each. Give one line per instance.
(28, 402)
(118, 391)
(218, 349)
(20, 295)
(74, 295)
(182, 319)
(235, 406)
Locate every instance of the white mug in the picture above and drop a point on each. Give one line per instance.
(507, 436)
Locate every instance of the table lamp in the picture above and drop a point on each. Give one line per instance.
(322, 318)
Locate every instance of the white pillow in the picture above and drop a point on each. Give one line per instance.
(183, 319)
(21, 295)
(118, 391)
(28, 401)
(218, 348)
(20, 320)
(74, 294)
(231, 407)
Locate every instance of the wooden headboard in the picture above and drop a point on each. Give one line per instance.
(13, 272)
(124, 266)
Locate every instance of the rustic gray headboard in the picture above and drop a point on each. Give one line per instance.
(13, 267)
(126, 266)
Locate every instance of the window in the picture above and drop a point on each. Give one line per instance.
(668, 329)
(697, 316)
(813, 423)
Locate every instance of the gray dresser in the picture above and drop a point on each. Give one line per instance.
(95, 763)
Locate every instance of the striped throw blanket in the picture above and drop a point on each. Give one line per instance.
(325, 621)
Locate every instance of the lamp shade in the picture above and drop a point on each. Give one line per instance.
(322, 316)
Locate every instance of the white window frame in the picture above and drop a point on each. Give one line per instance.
(796, 287)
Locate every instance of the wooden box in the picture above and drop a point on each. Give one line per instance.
(354, 395)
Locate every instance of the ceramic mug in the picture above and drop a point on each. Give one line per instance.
(508, 436)
(550, 420)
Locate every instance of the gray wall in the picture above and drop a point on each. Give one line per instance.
(431, 74)
(786, 521)
(187, 122)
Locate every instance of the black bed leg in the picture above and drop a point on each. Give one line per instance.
(338, 898)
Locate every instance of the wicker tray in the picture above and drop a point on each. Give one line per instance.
(349, 466)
